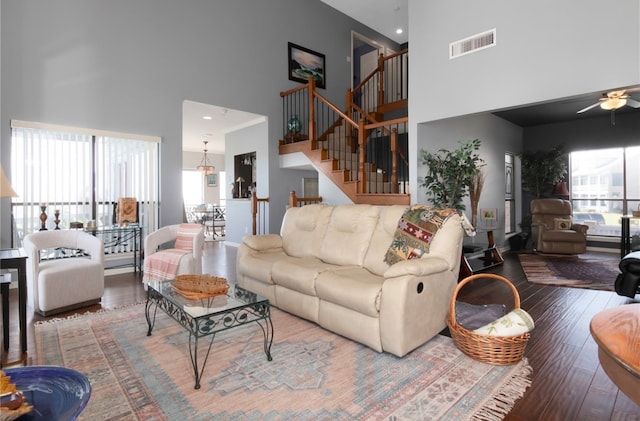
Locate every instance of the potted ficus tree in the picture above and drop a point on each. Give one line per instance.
(541, 171)
(450, 174)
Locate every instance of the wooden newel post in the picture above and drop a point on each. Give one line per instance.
(254, 212)
(380, 80)
(293, 200)
(312, 110)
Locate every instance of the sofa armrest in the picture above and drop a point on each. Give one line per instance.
(417, 267)
(413, 309)
(92, 245)
(263, 242)
(158, 237)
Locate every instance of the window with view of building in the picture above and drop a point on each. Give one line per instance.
(605, 184)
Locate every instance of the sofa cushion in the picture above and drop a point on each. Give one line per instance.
(348, 234)
(354, 288)
(299, 274)
(415, 231)
(303, 229)
(64, 282)
(258, 265)
(563, 236)
(382, 237)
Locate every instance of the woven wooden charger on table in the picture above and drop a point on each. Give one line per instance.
(496, 350)
(197, 287)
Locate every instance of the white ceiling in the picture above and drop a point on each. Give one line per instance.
(379, 15)
(195, 129)
(383, 16)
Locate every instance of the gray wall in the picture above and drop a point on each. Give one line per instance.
(545, 50)
(128, 66)
(497, 136)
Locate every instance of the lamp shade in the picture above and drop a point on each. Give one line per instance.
(561, 189)
(5, 187)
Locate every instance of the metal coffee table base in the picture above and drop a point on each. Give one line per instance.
(210, 324)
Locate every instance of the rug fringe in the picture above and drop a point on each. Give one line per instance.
(89, 313)
(503, 402)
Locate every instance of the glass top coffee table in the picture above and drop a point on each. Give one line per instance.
(208, 316)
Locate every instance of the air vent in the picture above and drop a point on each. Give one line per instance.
(472, 44)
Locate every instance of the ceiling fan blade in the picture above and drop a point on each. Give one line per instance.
(633, 103)
(589, 107)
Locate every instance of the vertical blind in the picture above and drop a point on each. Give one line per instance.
(81, 173)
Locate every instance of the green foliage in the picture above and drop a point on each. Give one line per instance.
(542, 170)
(450, 173)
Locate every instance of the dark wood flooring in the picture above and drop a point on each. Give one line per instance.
(568, 382)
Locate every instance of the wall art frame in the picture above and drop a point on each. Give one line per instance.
(305, 63)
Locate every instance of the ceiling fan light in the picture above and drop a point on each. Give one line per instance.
(613, 103)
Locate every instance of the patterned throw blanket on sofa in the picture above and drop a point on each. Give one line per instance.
(416, 229)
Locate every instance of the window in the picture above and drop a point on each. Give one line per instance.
(192, 187)
(81, 173)
(509, 199)
(605, 184)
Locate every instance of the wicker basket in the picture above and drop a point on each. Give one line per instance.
(196, 287)
(495, 350)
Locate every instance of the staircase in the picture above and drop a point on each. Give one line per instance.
(361, 152)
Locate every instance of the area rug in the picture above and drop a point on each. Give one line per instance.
(314, 375)
(570, 271)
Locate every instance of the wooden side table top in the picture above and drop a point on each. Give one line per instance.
(617, 332)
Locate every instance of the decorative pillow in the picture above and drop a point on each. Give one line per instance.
(184, 237)
(416, 229)
(561, 223)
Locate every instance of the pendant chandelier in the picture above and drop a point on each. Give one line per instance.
(205, 167)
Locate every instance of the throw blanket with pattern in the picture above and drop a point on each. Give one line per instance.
(416, 229)
(163, 264)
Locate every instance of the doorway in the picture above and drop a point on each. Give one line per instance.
(364, 53)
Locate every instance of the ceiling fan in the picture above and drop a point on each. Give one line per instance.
(613, 100)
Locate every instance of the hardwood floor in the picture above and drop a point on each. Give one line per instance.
(568, 382)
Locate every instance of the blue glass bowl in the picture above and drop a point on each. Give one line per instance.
(56, 393)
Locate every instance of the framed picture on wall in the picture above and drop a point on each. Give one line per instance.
(489, 217)
(212, 180)
(305, 64)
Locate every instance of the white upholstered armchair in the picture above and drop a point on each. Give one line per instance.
(183, 255)
(65, 270)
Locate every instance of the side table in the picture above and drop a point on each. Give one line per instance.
(17, 259)
(486, 258)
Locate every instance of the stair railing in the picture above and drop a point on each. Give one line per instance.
(295, 201)
(353, 146)
(384, 89)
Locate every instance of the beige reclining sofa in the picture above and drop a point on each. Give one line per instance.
(328, 266)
